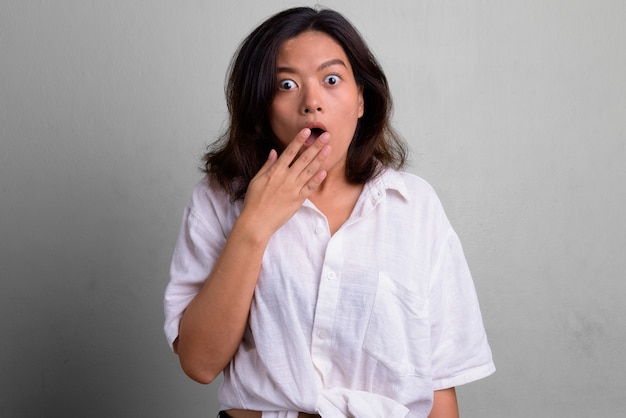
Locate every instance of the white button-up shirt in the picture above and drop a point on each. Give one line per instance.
(365, 323)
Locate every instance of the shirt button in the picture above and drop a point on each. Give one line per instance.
(322, 334)
(319, 229)
(331, 275)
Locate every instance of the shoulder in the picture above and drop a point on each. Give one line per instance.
(410, 194)
(206, 192)
(409, 186)
(210, 203)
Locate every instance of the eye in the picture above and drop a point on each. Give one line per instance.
(287, 84)
(332, 79)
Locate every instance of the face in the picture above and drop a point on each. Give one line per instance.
(315, 88)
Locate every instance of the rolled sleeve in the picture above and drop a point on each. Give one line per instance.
(197, 248)
(460, 350)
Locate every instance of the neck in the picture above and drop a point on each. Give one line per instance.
(336, 200)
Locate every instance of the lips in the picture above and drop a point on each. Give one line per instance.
(317, 129)
(316, 132)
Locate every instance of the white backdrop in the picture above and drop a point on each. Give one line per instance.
(515, 112)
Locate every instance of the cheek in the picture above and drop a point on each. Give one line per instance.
(351, 116)
(353, 107)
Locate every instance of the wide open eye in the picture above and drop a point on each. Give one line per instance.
(332, 79)
(287, 84)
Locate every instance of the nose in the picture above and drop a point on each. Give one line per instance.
(311, 100)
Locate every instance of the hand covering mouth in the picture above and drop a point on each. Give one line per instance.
(315, 133)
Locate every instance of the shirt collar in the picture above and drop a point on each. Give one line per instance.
(376, 190)
(389, 179)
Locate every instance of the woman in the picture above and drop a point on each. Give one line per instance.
(310, 271)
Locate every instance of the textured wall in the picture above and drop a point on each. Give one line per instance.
(515, 112)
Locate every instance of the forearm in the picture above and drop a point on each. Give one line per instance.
(445, 404)
(213, 324)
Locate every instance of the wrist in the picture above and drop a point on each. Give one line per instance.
(250, 230)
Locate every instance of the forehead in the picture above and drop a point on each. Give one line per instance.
(310, 47)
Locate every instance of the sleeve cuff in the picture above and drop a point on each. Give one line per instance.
(465, 377)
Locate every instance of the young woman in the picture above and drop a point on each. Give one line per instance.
(317, 277)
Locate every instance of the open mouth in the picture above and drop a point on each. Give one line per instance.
(315, 133)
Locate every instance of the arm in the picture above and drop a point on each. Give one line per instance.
(214, 323)
(445, 404)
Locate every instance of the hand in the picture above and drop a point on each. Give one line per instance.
(283, 183)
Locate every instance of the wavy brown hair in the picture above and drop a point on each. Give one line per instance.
(239, 153)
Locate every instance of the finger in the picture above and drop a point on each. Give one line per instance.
(308, 169)
(309, 162)
(309, 154)
(313, 184)
(291, 151)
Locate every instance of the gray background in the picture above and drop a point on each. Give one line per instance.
(515, 112)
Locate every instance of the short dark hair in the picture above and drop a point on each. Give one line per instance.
(242, 149)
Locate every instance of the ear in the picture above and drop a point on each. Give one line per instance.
(361, 102)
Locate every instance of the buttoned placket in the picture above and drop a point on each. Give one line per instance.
(322, 338)
(327, 300)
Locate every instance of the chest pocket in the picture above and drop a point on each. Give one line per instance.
(398, 332)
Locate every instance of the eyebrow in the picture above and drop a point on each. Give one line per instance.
(322, 66)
